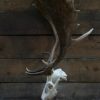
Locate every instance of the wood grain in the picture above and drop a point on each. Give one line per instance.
(87, 4)
(30, 22)
(21, 47)
(23, 23)
(78, 70)
(71, 91)
(26, 38)
(16, 5)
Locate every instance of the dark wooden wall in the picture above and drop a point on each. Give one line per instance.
(24, 40)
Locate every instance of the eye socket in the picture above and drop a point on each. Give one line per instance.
(50, 86)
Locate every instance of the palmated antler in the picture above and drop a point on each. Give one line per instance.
(51, 60)
(61, 15)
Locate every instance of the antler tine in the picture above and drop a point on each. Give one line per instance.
(51, 59)
(83, 36)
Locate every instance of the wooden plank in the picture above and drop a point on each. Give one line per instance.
(18, 47)
(87, 4)
(26, 4)
(12, 70)
(89, 15)
(86, 25)
(30, 22)
(82, 71)
(23, 23)
(24, 46)
(85, 48)
(87, 20)
(17, 5)
(71, 91)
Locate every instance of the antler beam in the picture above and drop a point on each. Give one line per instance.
(51, 59)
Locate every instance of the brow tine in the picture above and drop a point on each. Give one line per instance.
(51, 59)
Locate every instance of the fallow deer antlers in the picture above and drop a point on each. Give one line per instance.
(51, 60)
(60, 15)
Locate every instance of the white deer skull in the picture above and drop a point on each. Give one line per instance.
(50, 88)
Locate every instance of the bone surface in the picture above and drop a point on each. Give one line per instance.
(50, 88)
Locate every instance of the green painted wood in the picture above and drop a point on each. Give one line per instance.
(32, 91)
